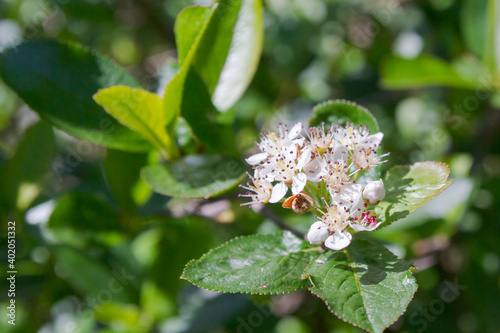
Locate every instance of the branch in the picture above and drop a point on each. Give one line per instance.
(267, 213)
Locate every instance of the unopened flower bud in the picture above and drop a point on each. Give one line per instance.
(374, 192)
(300, 203)
(318, 233)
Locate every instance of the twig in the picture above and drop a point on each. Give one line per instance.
(276, 220)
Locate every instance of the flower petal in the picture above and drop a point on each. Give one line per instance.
(360, 227)
(314, 169)
(295, 131)
(257, 158)
(339, 240)
(318, 232)
(305, 157)
(340, 153)
(299, 182)
(279, 191)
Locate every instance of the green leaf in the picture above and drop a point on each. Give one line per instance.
(222, 44)
(84, 211)
(424, 71)
(365, 284)
(230, 50)
(474, 25)
(140, 110)
(258, 264)
(341, 112)
(195, 176)
(30, 162)
(58, 80)
(410, 187)
(122, 171)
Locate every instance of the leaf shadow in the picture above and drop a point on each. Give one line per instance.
(396, 187)
(371, 262)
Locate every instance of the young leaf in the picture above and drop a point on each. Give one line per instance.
(195, 176)
(424, 71)
(365, 284)
(258, 264)
(410, 187)
(341, 112)
(139, 110)
(58, 80)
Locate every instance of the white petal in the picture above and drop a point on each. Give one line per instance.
(339, 240)
(340, 153)
(374, 191)
(257, 158)
(357, 208)
(305, 157)
(318, 232)
(298, 183)
(279, 191)
(295, 131)
(372, 140)
(314, 169)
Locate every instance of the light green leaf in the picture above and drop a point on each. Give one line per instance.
(410, 187)
(258, 264)
(195, 176)
(342, 112)
(474, 25)
(139, 110)
(424, 71)
(365, 284)
(58, 80)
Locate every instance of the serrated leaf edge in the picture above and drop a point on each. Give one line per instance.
(183, 277)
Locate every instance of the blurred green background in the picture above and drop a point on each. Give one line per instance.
(98, 252)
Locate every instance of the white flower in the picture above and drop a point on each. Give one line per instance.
(367, 222)
(374, 191)
(259, 192)
(319, 139)
(318, 232)
(350, 198)
(339, 240)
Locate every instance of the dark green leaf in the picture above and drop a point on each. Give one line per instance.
(195, 176)
(410, 187)
(259, 264)
(122, 171)
(365, 284)
(30, 162)
(83, 211)
(58, 80)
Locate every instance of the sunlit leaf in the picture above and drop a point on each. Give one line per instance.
(365, 284)
(410, 187)
(259, 264)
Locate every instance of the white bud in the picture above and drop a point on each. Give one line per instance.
(374, 192)
(318, 232)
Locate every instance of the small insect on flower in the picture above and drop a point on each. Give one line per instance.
(299, 203)
(321, 170)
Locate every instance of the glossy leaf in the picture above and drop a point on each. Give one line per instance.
(258, 264)
(195, 176)
(342, 112)
(424, 71)
(58, 80)
(230, 51)
(365, 284)
(139, 110)
(410, 187)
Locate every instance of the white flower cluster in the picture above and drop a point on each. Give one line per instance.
(321, 169)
